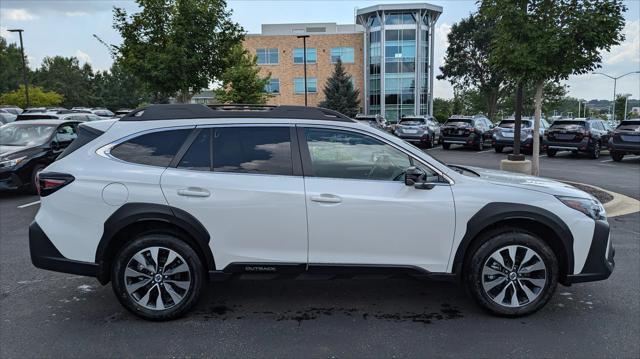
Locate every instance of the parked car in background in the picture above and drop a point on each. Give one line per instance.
(376, 121)
(625, 140)
(26, 147)
(576, 135)
(503, 134)
(471, 131)
(6, 116)
(122, 112)
(11, 109)
(419, 130)
(102, 112)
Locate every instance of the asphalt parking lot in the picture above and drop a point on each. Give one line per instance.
(47, 314)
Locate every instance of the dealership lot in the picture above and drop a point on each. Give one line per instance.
(51, 314)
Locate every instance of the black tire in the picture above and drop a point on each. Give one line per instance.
(595, 151)
(432, 142)
(617, 156)
(499, 239)
(167, 241)
(551, 152)
(32, 187)
(498, 148)
(446, 146)
(480, 145)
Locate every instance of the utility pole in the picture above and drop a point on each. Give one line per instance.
(304, 57)
(615, 82)
(24, 67)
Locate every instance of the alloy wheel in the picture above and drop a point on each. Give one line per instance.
(157, 278)
(514, 276)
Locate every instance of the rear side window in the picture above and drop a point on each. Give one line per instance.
(153, 149)
(198, 156)
(85, 135)
(259, 150)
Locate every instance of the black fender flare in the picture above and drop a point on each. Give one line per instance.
(131, 213)
(496, 212)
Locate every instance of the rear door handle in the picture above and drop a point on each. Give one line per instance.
(326, 198)
(194, 192)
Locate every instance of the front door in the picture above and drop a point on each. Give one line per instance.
(360, 212)
(240, 184)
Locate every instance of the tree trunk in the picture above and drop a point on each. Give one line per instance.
(492, 103)
(535, 160)
(516, 156)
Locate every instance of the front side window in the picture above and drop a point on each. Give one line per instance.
(298, 85)
(344, 54)
(298, 55)
(267, 56)
(350, 155)
(153, 149)
(258, 150)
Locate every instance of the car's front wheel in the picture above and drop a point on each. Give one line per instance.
(157, 276)
(513, 273)
(617, 156)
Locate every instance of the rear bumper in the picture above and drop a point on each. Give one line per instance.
(456, 140)
(625, 148)
(600, 260)
(583, 145)
(45, 255)
(414, 138)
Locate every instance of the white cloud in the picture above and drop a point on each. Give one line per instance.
(83, 56)
(4, 32)
(441, 88)
(75, 13)
(17, 15)
(629, 50)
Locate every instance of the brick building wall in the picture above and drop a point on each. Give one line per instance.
(286, 70)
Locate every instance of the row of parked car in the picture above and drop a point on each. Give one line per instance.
(12, 113)
(586, 135)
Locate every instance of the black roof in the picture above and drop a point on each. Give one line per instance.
(195, 111)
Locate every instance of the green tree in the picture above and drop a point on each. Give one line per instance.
(554, 96)
(241, 82)
(339, 93)
(620, 105)
(548, 40)
(466, 62)
(65, 76)
(442, 109)
(10, 66)
(117, 88)
(37, 97)
(176, 46)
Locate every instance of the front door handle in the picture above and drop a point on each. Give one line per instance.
(326, 198)
(194, 192)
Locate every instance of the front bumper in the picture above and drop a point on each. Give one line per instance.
(10, 181)
(45, 255)
(600, 263)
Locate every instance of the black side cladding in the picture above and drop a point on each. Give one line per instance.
(86, 134)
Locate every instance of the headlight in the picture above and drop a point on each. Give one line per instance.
(11, 163)
(590, 207)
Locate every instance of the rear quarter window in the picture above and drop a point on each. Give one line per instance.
(153, 149)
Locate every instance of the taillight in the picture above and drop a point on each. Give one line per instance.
(49, 182)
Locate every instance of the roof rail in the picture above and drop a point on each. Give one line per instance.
(195, 111)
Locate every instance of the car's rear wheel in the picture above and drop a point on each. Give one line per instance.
(595, 151)
(551, 152)
(157, 276)
(480, 145)
(617, 156)
(446, 146)
(498, 148)
(513, 273)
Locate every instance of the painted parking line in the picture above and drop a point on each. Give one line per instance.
(29, 204)
(433, 148)
(490, 150)
(625, 158)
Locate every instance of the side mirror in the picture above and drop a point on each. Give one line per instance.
(55, 145)
(413, 175)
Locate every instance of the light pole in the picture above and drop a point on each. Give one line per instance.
(626, 99)
(304, 60)
(615, 82)
(24, 67)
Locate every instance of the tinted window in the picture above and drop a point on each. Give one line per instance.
(154, 149)
(198, 157)
(260, 150)
(342, 154)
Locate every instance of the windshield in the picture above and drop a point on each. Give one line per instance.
(568, 125)
(16, 134)
(412, 121)
(512, 124)
(629, 126)
(459, 122)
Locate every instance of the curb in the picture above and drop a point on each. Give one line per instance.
(619, 205)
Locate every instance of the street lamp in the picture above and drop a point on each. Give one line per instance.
(615, 82)
(304, 57)
(24, 66)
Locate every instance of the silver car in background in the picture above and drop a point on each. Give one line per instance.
(419, 130)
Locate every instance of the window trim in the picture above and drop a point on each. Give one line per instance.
(267, 55)
(353, 51)
(308, 81)
(293, 54)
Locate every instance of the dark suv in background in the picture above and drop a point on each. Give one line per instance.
(419, 130)
(625, 140)
(471, 131)
(576, 135)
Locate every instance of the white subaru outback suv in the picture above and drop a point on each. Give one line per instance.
(171, 196)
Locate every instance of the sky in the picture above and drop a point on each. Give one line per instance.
(66, 28)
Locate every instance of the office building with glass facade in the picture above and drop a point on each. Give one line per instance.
(388, 53)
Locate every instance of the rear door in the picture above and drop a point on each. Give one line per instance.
(244, 184)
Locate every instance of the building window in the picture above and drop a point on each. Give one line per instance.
(267, 56)
(400, 19)
(298, 55)
(345, 54)
(298, 85)
(273, 86)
